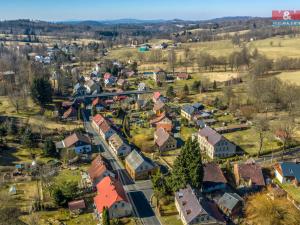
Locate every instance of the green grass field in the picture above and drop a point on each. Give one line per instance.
(248, 140)
(292, 77)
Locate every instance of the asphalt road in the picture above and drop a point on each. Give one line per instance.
(139, 193)
(289, 154)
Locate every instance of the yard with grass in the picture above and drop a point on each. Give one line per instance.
(248, 140)
(291, 189)
(169, 215)
(186, 132)
(143, 138)
(292, 77)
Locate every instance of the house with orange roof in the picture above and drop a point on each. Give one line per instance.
(102, 126)
(70, 114)
(111, 195)
(99, 169)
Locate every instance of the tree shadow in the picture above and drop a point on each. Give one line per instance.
(7, 158)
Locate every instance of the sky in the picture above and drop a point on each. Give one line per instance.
(62, 10)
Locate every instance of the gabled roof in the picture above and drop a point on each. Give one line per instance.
(165, 120)
(229, 200)
(158, 119)
(289, 169)
(117, 141)
(135, 160)
(189, 205)
(158, 105)
(156, 95)
(110, 191)
(251, 171)
(105, 126)
(188, 109)
(71, 112)
(107, 76)
(75, 137)
(183, 75)
(213, 173)
(75, 205)
(98, 119)
(97, 101)
(162, 136)
(212, 136)
(98, 167)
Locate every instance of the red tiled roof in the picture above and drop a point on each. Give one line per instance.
(105, 126)
(251, 171)
(213, 173)
(110, 191)
(107, 76)
(98, 119)
(71, 112)
(72, 139)
(96, 101)
(97, 168)
(183, 75)
(156, 95)
(157, 119)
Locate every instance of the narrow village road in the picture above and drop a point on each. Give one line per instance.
(139, 193)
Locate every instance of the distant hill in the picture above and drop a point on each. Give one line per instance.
(111, 22)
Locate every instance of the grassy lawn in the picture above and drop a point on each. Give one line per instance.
(170, 215)
(248, 140)
(170, 156)
(291, 189)
(293, 77)
(143, 138)
(68, 175)
(63, 215)
(186, 132)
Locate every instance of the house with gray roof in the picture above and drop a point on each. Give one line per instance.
(288, 172)
(138, 166)
(188, 111)
(231, 204)
(193, 211)
(214, 144)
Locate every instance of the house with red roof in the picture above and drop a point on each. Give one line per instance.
(111, 195)
(162, 122)
(99, 169)
(106, 130)
(248, 176)
(102, 126)
(213, 178)
(98, 104)
(183, 76)
(70, 114)
(157, 96)
(214, 144)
